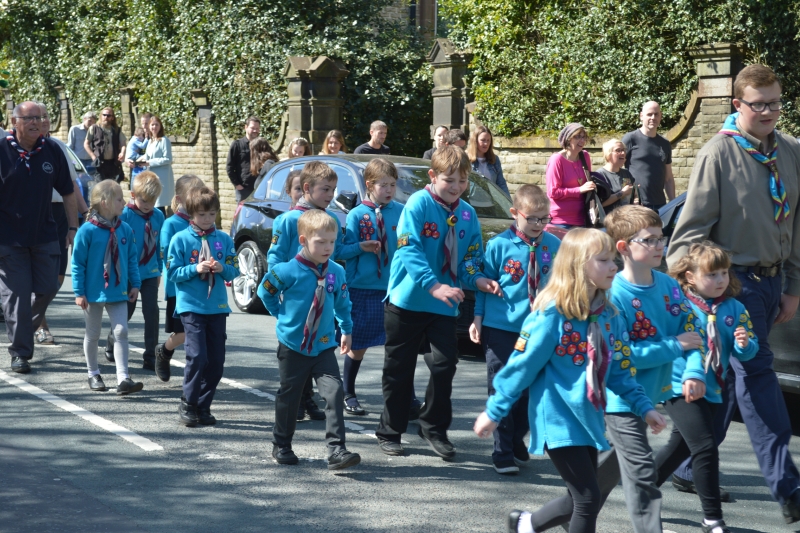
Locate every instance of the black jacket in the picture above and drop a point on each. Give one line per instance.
(238, 166)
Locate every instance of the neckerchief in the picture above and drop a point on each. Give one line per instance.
(25, 155)
(111, 256)
(181, 212)
(776, 189)
(149, 248)
(381, 234)
(450, 241)
(303, 205)
(205, 254)
(533, 268)
(713, 356)
(597, 353)
(315, 312)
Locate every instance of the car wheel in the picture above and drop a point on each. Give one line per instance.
(252, 267)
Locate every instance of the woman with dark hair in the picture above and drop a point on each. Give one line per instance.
(159, 160)
(262, 157)
(334, 143)
(568, 178)
(484, 161)
(106, 144)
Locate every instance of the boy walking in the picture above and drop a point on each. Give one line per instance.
(377, 136)
(307, 294)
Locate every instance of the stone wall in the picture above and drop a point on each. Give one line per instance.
(397, 11)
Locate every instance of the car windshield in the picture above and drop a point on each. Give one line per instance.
(487, 200)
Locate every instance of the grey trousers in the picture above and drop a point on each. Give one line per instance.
(148, 294)
(28, 283)
(294, 369)
(118, 315)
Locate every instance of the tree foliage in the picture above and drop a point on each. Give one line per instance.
(235, 49)
(542, 63)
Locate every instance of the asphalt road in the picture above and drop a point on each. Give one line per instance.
(72, 460)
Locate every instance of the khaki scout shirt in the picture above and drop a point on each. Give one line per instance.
(729, 203)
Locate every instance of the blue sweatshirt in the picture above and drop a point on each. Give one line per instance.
(287, 291)
(286, 243)
(506, 261)
(362, 267)
(653, 315)
(191, 292)
(171, 226)
(550, 358)
(88, 253)
(730, 315)
(418, 261)
(153, 267)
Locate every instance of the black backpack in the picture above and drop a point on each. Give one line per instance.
(594, 213)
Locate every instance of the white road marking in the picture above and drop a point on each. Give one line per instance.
(7, 344)
(143, 443)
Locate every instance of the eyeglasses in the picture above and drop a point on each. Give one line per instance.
(759, 107)
(28, 120)
(108, 114)
(651, 242)
(536, 220)
(580, 137)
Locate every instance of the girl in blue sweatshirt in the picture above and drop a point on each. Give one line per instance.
(725, 328)
(104, 265)
(375, 220)
(565, 356)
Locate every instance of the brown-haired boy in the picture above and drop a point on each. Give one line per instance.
(377, 136)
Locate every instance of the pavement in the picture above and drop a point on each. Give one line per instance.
(72, 460)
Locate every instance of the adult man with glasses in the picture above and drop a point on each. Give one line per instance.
(30, 168)
(106, 143)
(744, 195)
(649, 159)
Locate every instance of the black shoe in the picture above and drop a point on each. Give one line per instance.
(391, 448)
(301, 412)
(513, 520)
(128, 386)
(284, 456)
(188, 414)
(440, 446)
(162, 363)
(313, 410)
(507, 468)
(710, 528)
(684, 485)
(96, 383)
(414, 410)
(521, 455)
(343, 459)
(20, 365)
(205, 417)
(110, 349)
(149, 364)
(791, 509)
(352, 406)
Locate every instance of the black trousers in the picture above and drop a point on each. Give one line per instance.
(111, 169)
(404, 331)
(205, 356)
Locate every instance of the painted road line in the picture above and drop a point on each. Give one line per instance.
(143, 443)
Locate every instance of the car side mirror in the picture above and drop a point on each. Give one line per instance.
(347, 200)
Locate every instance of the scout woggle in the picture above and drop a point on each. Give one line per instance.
(451, 220)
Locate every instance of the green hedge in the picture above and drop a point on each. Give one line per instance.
(235, 49)
(541, 64)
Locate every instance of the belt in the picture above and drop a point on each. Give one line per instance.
(761, 271)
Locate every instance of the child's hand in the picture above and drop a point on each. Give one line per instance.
(445, 293)
(203, 267)
(215, 266)
(655, 421)
(690, 340)
(742, 339)
(345, 346)
(370, 246)
(133, 295)
(81, 302)
(475, 329)
(693, 389)
(490, 286)
(484, 426)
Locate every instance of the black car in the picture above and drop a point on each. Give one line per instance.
(252, 223)
(787, 354)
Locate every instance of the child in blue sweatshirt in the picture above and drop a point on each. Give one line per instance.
(521, 260)
(726, 330)
(105, 275)
(172, 325)
(439, 248)
(200, 260)
(306, 294)
(570, 348)
(375, 219)
(146, 223)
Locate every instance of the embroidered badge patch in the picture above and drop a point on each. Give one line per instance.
(561, 351)
(729, 321)
(325, 339)
(270, 288)
(274, 239)
(461, 234)
(219, 256)
(331, 279)
(514, 269)
(546, 257)
(545, 269)
(642, 327)
(567, 326)
(195, 253)
(578, 360)
(218, 245)
(430, 229)
(544, 248)
(675, 309)
(520, 344)
(366, 229)
(676, 293)
(465, 215)
(625, 363)
(636, 303)
(402, 240)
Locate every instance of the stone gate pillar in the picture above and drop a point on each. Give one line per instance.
(127, 113)
(61, 122)
(9, 107)
(450, 93)
(717, 66)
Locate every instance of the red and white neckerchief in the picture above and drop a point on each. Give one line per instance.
(597, 353)
(533, 267)
(450, 240)
(713, 356)
(205, 254)
(181, 212)
(111, 256)
(150, 244)
(303, 205)
(24, 154)
(315, 312)
(383, 252)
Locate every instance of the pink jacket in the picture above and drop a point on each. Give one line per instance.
(564, 179)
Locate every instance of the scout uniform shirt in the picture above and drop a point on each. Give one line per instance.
(171, 227)
(88, 256)
(153, 267)
(551, 359)
(285, 242)
(362, 225)
(506, 260)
